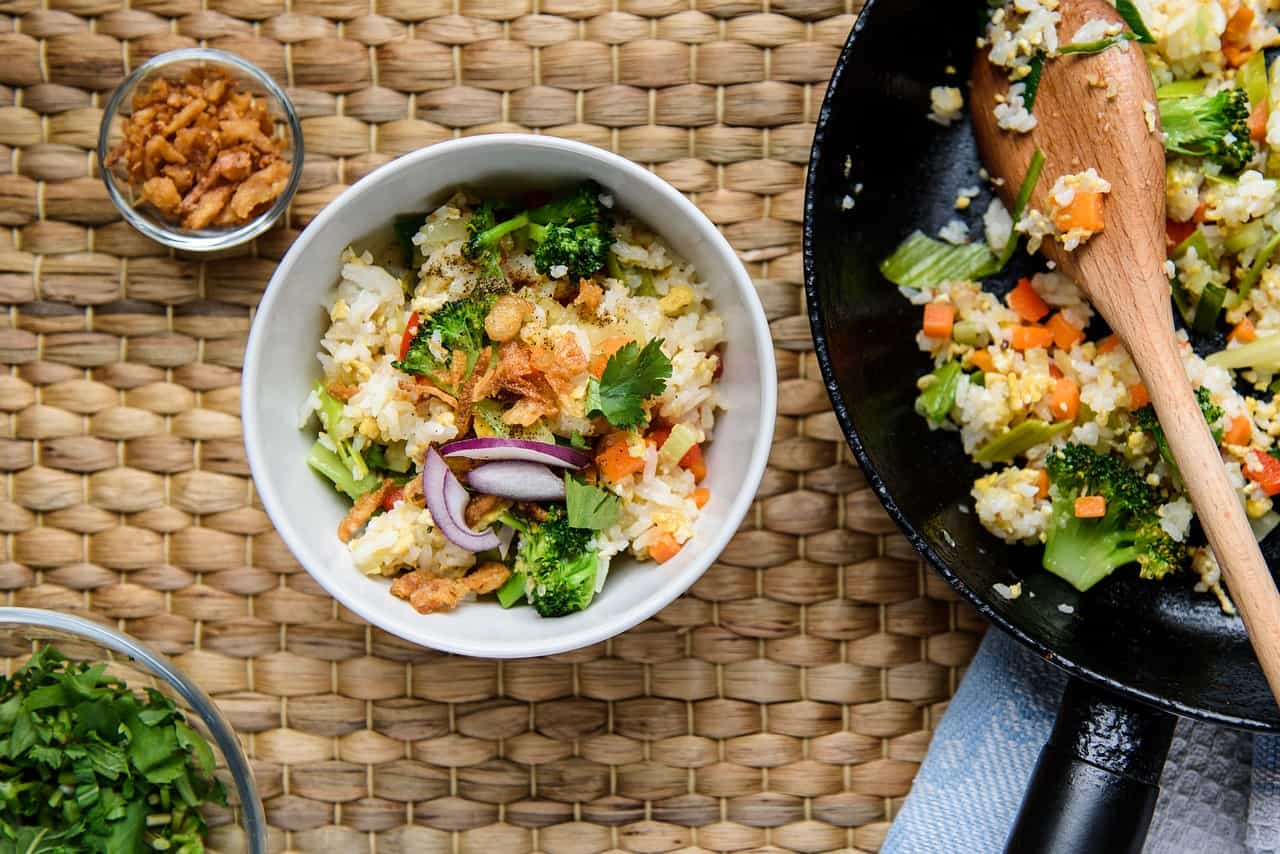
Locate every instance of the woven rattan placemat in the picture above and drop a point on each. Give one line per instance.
(782, 705)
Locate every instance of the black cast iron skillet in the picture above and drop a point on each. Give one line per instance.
(1139, 652)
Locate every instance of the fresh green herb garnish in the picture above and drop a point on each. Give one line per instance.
(1031, 83)
(1133, 18)
(88, 767)
(631, 376)
(1096, 46)
(589, 507)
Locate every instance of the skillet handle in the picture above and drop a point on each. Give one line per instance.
(1094, 787)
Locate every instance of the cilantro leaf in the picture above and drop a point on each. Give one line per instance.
(589, 507)
(631, 376)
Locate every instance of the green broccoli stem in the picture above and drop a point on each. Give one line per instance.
(1082, 552)
(491, 236)
(331, 466)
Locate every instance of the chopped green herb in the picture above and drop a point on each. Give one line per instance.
(1031, 83)
(1097, 45)
(1133, 18)
(1208, 309)
(631, 376)
(90, 767)
(1029, 181)
(588, 506)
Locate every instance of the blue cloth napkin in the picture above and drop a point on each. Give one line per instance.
(1220, 790)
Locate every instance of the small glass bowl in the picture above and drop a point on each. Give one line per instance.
(240, 829)
(143, 216)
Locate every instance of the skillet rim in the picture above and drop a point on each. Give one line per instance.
(917, 540)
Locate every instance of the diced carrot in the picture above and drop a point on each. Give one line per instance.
(604, 350)
(1042, 484)
(692, 460)
(1055, 371)
(701, 496)
(658, 435)
(1084, 212)
(1026, 303)
(1235, 38)
(1106, 345)
(664, 548)
(1258, 122)
(1239, 431)
(1091, 507)
(1030, 337)
(981, 359)
(1244, 332)
(1064, 400)
(939, 317)
(1264, 470)
(1138, 396)
(614, 460)
(1175, 232)
(1065, 335)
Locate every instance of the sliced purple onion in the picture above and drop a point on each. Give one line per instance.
(447, 500)
(547, 453)
(518, 480)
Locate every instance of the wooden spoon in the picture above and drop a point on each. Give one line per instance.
(1092, 112)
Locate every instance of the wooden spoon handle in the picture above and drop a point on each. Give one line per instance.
(1216, 501)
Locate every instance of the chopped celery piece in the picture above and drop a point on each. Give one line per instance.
(1133, 18)
(1196, 241)
(638, 280)
(1019, 440)
(682, 438)
(1259, 264)
(512, 591)
(1265, 524)
(329, 411)
(935, 402)
(1249, 234)
(397, 460)
(1253, 79)
(331, 466)
(1208, 309)
(922, 262)
(1031, 83)
(1181, 89)
(1263, 354)
(970, 334)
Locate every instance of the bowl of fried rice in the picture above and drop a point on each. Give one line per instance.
(508, 396)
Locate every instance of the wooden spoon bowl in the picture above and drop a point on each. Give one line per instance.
(1097, 111)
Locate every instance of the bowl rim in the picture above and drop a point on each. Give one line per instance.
(255, 822)
(174, 237)
(715, 540)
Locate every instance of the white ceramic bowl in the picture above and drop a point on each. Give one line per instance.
(280, 366)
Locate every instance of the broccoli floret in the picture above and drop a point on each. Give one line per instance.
(460, 325)
(560, 564)
(581, 249)
(569, 230)
(486, 254)
(1212, 126)
(1148, 422)
(1085, 551)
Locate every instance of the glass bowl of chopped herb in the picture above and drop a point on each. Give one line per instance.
(109, 747)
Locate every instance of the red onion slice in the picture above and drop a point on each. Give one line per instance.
(447, 500)
(518, 480)
(547, 453)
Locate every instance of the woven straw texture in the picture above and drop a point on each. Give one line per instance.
(782, 705)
